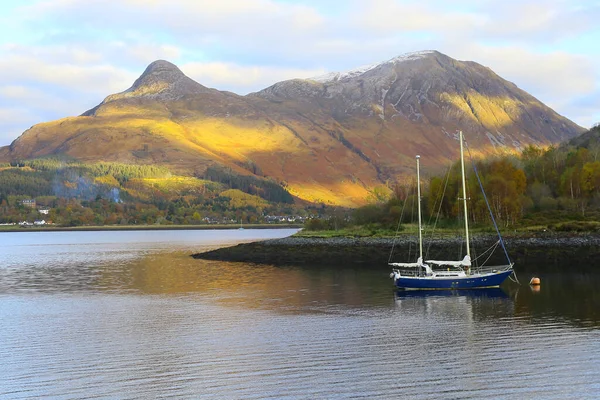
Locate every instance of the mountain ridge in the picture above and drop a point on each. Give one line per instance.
(329, 139)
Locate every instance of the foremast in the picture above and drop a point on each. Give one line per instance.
(419, 211)
(464, 187)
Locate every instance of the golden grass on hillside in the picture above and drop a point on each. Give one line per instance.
(174, 186)
(239, 139)
(239, 199)
(491, 112)
(107, 180)
(346, 194)
(178, 184)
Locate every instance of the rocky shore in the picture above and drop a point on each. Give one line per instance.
(549, 249)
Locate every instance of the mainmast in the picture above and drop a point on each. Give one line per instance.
(464, 185)
(419, 210)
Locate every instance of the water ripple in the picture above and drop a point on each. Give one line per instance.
(139, 321)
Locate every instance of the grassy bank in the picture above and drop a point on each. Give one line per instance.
(362, 231)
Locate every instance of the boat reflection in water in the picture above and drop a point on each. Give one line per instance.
(451, 306)
(491, 293)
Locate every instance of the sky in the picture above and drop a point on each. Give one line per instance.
(59, 58)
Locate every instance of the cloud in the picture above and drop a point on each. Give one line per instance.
(39, 84)
(143, 53)
(228, 30)
(225, 18)
(394, 16)
(12, 121)
(543, 74)
(514, 20)
(64, 60)
(532, 21)
(42, 83)
(585, 110)
(96, 78)
(34, 98)
(242, 79)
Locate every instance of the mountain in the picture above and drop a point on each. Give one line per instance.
(328, 139)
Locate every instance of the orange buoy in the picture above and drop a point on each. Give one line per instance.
(534, 281)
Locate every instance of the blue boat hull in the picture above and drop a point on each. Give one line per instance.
(466, 282)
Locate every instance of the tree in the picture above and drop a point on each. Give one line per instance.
(590, 178)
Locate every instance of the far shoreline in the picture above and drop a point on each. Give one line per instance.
(7, 229)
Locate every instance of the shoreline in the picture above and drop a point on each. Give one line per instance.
(549, 249)
(144, 228)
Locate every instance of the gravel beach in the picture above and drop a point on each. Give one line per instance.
(550, 249)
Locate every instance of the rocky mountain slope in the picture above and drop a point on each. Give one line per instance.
(329, 139)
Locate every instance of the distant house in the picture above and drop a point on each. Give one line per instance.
(29, 203)
(39, 222)
(44, 211)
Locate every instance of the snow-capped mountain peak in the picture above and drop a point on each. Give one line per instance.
(338, 76)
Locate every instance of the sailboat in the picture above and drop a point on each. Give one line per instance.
(443, 274)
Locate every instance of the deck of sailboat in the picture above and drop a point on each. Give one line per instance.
(473, 281)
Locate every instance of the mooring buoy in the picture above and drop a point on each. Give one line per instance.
(535, 281)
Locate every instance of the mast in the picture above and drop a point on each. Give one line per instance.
(464, 185)
(419, 209)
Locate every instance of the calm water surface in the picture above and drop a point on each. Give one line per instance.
(131, 315)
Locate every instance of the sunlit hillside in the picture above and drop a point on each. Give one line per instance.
(328, 140)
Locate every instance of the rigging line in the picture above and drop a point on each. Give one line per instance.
(492, 248)
(516, 280)
(488, 205)
(490, 256)
(398, 227)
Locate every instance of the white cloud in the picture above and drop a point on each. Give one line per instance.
(98, 78)
(74, 61)
(185, 17)
(395, 16)
(143, 53)
(544, 74)
(13, 121)
(584, 110)
(33, 98)
(244, 79)
(534, 21)
(15, 115)
(515, 20)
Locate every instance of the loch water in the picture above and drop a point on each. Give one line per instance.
(130, 314)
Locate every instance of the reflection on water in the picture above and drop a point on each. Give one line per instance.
(132, 316)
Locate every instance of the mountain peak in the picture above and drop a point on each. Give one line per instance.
(161, 81)
(161, 64)
(164, 78)
(159, 71)
(338, 76)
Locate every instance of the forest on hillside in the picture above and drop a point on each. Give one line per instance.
(557, 187)
(105, 193)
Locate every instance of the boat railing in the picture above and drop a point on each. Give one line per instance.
(487, 269)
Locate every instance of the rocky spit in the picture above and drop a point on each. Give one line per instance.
(548, 249)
